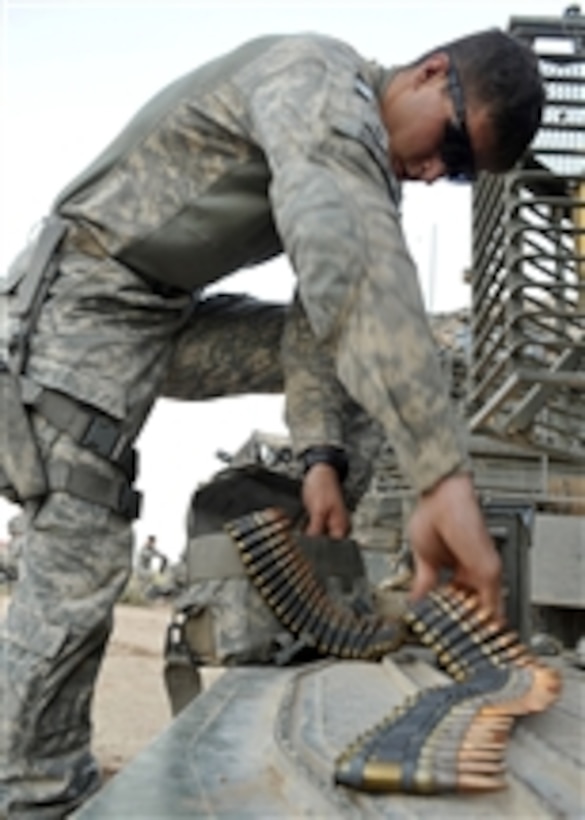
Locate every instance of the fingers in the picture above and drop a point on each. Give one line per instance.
(317, 523)
(482, 577)
(324, 502)
(333, 521)
(338, 524)
(494, 604)
(485, 580)
(490, 597)
(448, 529)
(426, 578)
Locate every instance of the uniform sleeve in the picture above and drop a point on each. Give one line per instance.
(313, 392)
(318, 408)
(333, 203)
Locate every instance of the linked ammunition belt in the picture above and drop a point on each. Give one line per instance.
(447, 738)
(453, 738)
(287, 582)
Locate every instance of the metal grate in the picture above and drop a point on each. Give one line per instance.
(527, 381)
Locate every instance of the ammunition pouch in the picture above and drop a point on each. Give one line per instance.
(22, 293)
(221, 617)
(114, 493)
(22, 475)
(89, 427)
(28, 282)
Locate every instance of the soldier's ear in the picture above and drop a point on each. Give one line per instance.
(432, 67)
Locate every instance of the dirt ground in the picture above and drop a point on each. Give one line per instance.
(130, 705)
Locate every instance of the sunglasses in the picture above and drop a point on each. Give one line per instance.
(456, 149)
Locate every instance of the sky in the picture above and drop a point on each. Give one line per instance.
(73, 72)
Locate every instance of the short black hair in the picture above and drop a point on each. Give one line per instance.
(501, 72)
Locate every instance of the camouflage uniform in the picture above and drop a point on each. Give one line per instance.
(276, 146)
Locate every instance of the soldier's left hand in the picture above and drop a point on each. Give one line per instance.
(447, 530)
(324, 503)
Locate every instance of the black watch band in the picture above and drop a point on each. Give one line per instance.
(324, 454)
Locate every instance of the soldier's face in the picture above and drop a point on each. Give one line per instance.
(433, 133)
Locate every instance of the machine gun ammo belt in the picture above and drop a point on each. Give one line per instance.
(453, 738)
(286, 580)
(443, 739)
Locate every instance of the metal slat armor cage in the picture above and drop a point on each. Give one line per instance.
(527, 379)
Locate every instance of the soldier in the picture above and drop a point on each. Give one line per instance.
(148, 554)
(290, 144)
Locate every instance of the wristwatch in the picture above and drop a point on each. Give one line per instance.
(325, 454)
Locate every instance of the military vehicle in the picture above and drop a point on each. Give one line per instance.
(263, 740)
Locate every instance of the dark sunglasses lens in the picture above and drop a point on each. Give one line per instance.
(457, 155)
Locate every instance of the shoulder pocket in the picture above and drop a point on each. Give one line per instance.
(355, 115)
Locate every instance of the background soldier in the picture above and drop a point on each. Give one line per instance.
(148, 554)
(293, 144)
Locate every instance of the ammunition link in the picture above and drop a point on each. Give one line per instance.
(287, 582)
(447, 738)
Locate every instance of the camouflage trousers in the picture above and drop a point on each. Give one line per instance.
(106, 338)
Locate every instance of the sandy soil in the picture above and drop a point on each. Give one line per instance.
(130, 705)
